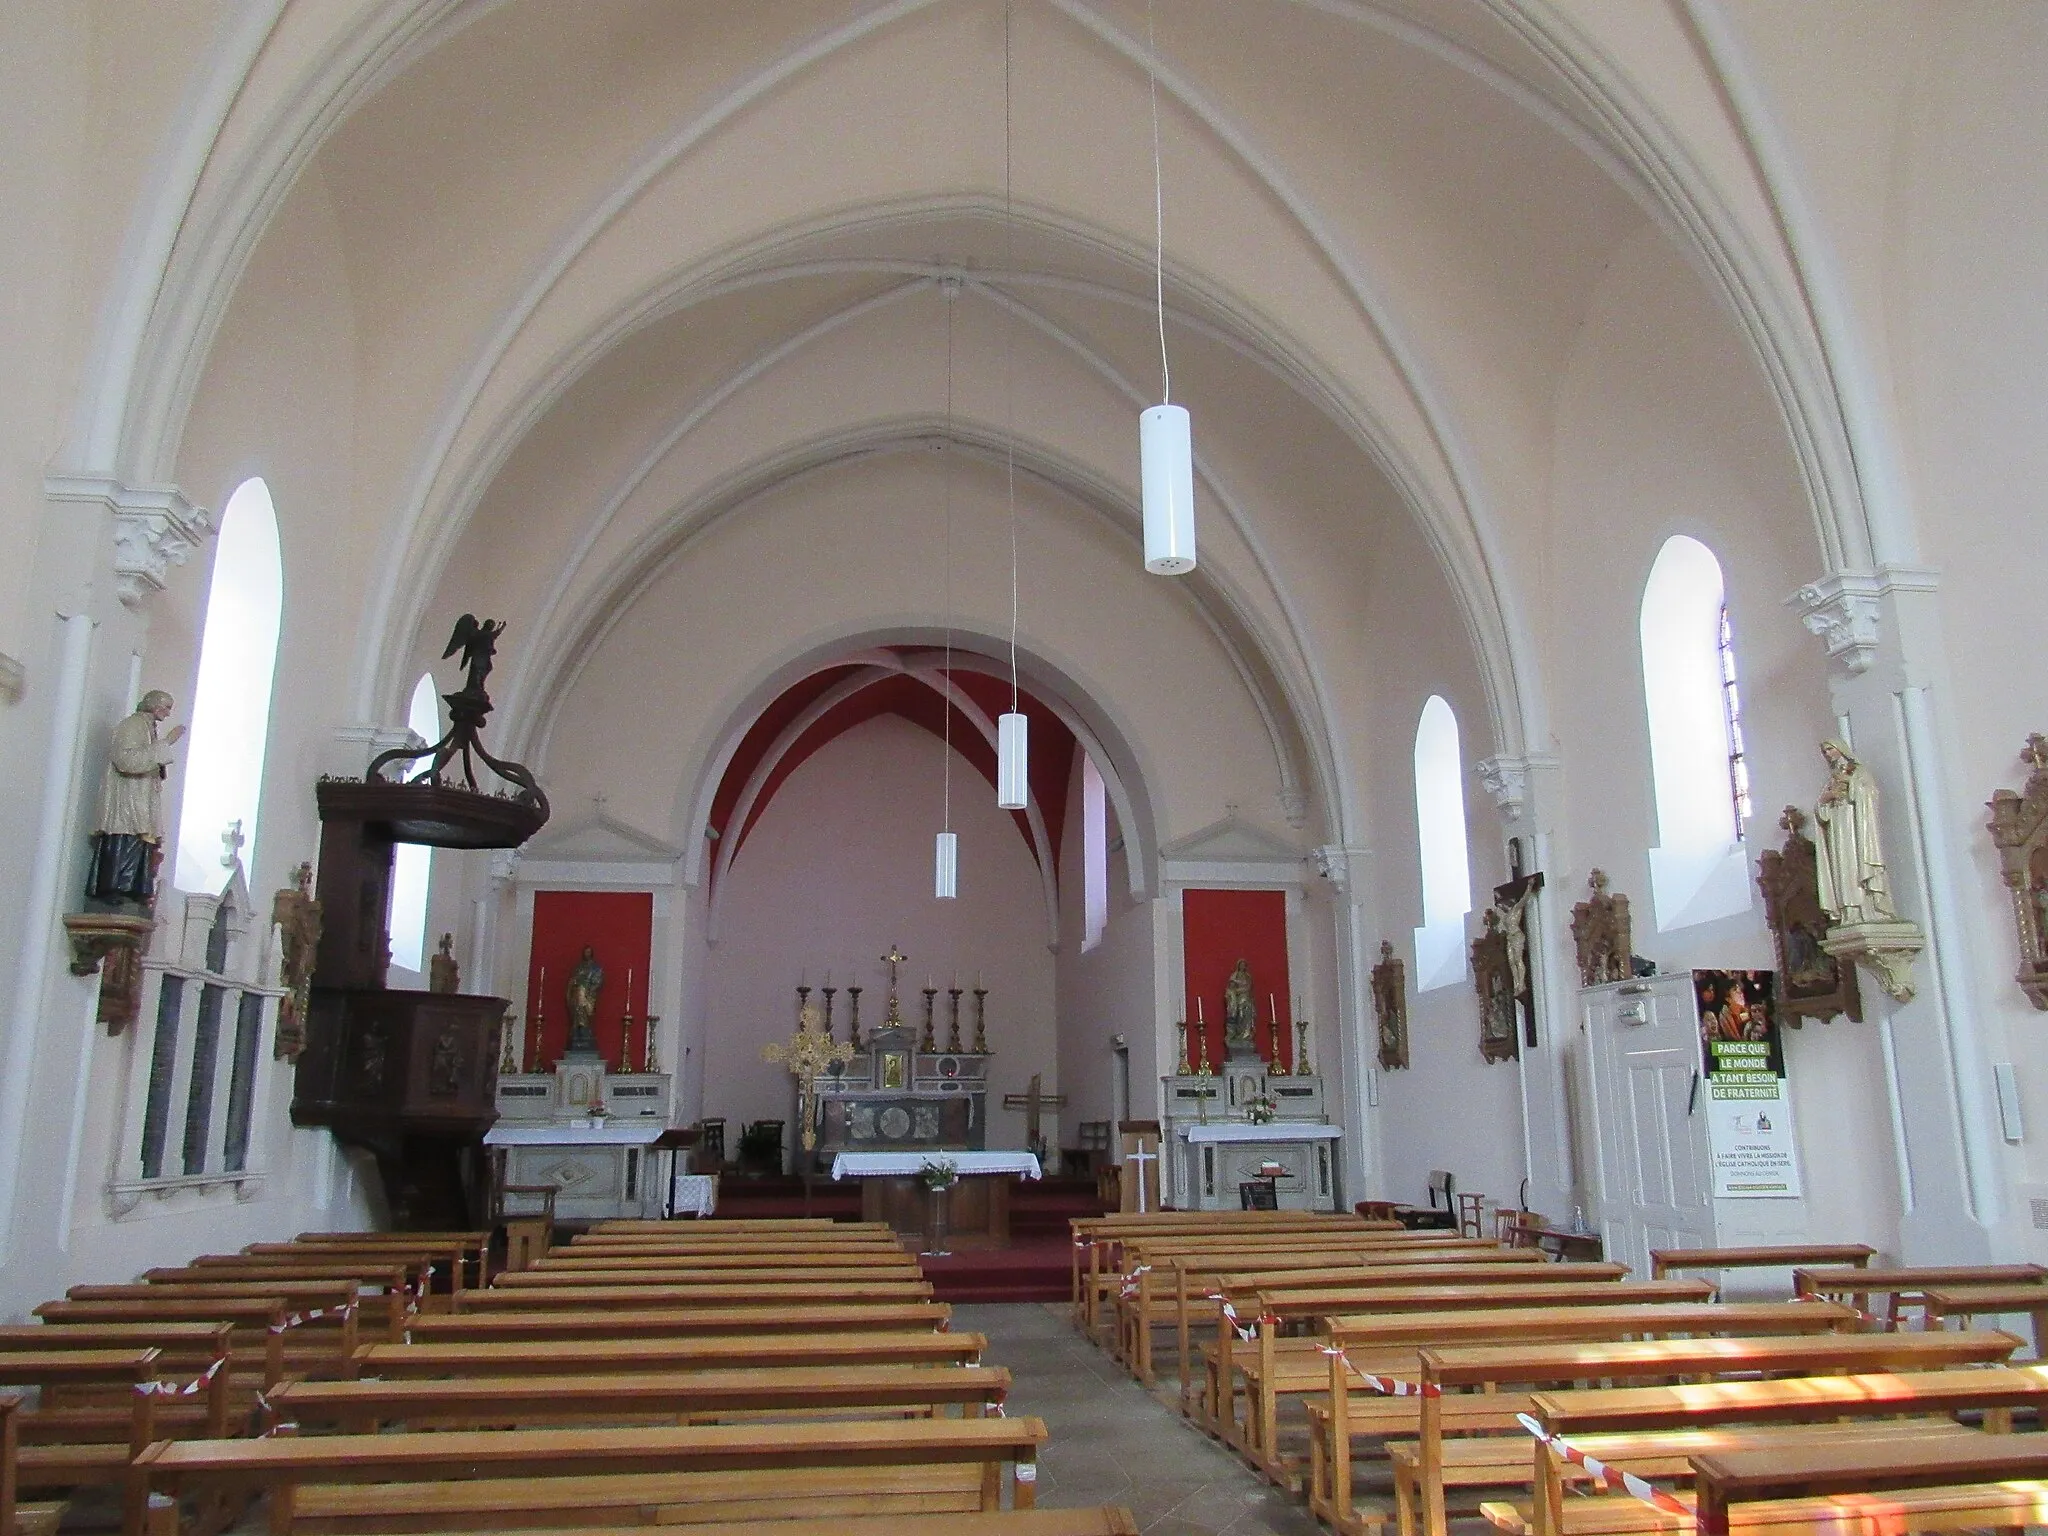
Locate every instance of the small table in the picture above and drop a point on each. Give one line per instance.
(1556, 1241)
(893, 1190)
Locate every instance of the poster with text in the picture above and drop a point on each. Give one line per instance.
(1749, 1109)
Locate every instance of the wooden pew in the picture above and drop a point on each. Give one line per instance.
(84, 1446)
(864, 1280)
(677, 1322)
(39, 1519)
(464, 1253)
(1628, 1423)
(1963, 1481)
(844, 1257)
(386, 1289)
(1900, 1287)
(1461, 1393)
(707, 1295)
(529, 1401)
(1972, 1301)
(1097, 1240)
(1096, 1520)
(262, 1328)
(507, 1478)
(639, 1352)
(297, 1296)
(1145, 1305)
(1669, 1261)
(1257, 1360)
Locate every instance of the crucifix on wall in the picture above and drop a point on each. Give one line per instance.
(1034, 1102)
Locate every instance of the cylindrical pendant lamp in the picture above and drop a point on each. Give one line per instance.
(1167, 477)
(1013, 788)
(946, 878)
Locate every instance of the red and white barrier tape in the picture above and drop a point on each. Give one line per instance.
(1638, 1487)
(1236, 1322)
(1129, 1286)
(1386, 1386)
(299, 1319)
(189, 1389)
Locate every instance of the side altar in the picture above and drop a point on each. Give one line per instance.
(1245, 1124)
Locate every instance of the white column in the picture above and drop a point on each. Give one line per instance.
(1352, 1038)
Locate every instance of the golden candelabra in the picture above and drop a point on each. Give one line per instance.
(1186, 1068)
(981, 1020)
(853, 1017)
(953, 1020)
(929, 1043)
(1301, 1066)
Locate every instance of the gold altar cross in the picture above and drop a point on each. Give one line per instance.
(1033, 1103)
(893, 1017)
(808, 1053)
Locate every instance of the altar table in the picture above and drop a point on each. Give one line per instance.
(892, 1190)
(1214, 1158)
(600, 1171)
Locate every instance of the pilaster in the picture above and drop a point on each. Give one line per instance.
(1887, 688)
(1346, 869)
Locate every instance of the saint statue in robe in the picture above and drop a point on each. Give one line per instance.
(1240, 1012)
(585, 982)
(1854, 887)
(127, 841)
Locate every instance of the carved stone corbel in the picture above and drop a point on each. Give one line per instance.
(155, 528)
(1886, 950)
(2019, 829)
(1506, 781)
(112, 944)
(1841, 609)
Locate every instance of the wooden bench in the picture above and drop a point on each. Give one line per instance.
(709, 1295)
(264, 1340)
(1471, 1377)
(527, 1401)
(1965, 1481)
(297, 1297)
(465, 1253)
(1097, 1239)
(386, 1289)
(1096, 1520)
(674, 1322)
(639, 1352)
(843, 1257)
(1900, 1287)
(90, 1440)
(1257, 1439)
(38, 1519)
(1972, 1301)
(679, 1272)
(507, 1478)
(1633, 1420)
(1667, 1261)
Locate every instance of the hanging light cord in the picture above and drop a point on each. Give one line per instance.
(1158, 212)
(1009, 357)
(952, 296)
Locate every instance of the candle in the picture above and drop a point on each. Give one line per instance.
(629, 989)
(1200, 1016)
(828, 975)
(1272, 1008)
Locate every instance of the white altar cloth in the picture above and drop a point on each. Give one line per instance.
(694, 1193)
(613, 1133)
(1277, 1130)
(869, 1165)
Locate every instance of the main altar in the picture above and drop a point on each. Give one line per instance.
(901, 1088)
(1249, 1126)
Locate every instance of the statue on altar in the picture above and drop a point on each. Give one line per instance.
(1240, 1012)
(585, 982)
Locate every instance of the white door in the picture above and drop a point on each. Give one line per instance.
(1650, 1124)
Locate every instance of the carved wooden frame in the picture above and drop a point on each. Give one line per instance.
(1390, 1008)
(2019, 829)
(1493, 978)
(1789, 878)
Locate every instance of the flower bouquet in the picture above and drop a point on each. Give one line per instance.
(939, 1173)
(1259, 1109)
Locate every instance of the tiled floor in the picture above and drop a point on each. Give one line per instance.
(1112, 1442)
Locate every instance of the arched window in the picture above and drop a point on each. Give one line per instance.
(1440, 838)
(412, 866)
(1698, 871)
(231, 703)
(1094, 854)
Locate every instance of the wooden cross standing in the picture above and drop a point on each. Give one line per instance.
(1033, 1103)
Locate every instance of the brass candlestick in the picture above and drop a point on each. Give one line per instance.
(953, 1020)
(508, 1032)
(626, 1039)
(930, 1042)
(647, 1062)
(981, 1020)
(828, 992)
(803, 1001)
(1202, 1054)
(1274, 1066)
(1301, 1066)
(1185, 1067)
(853, 1018)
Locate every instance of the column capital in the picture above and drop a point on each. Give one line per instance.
(1845, 609)
(155, 528)
(1506, 780)
(1342, 864)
